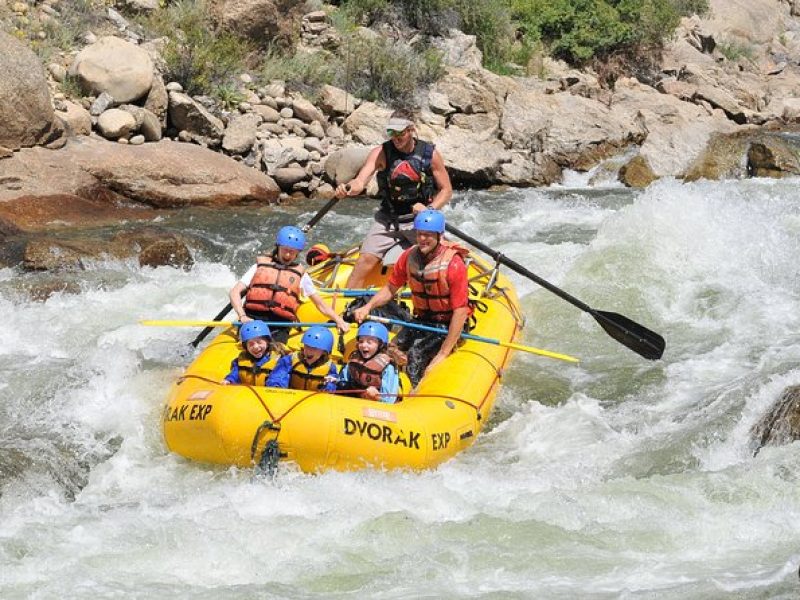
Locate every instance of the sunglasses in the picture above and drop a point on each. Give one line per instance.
(393, 133)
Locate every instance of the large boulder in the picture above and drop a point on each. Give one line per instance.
(568, 130)
(186, 114)
(749, 152)
(677, 132)
(115, 66)
(26, 115)
(163, 174)
(367, 124)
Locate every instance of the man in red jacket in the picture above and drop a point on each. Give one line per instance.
(435, 271)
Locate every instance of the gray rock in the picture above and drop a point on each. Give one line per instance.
(23, 84)
(101, 104)
(287, 177)
(240, 134)
(115, 66)
(115, 123)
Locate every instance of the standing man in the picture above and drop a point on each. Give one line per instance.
(411, 178)
(437, 275)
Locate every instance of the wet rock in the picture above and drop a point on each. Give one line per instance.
(772, 158)
(746, 153)
(167, 252)
(637, 173)
(781, 424)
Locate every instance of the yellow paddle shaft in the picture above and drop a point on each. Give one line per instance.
(157, 323)
(539, 351)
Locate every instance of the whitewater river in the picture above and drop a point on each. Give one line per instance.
(616, 478)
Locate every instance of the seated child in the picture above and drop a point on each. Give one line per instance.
(369, 367)
(309, 369)
(250, 367)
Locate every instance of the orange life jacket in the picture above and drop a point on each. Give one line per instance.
(275, 288)
(430, 291)
(363, 373)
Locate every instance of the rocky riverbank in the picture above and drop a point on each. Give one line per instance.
(135, 138)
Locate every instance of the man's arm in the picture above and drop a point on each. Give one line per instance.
(383, 296)
(375, 161)
(444, 189)
(235, 296)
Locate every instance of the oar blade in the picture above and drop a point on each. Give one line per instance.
(629, 333)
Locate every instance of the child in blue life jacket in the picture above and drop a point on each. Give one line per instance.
(254, 363)
(309, 369)
(370, 368)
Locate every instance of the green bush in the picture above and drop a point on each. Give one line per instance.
(580, 31)
(379, 69)
(735, 49)
(305, 72)
(491, 24)
(687, 8)
(199, 57)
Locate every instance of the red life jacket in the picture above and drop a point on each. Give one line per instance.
(275, 288)
(363, 373)
(430, 291)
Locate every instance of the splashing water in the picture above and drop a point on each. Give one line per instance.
(618, 477)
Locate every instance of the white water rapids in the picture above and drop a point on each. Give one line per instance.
(615, 478)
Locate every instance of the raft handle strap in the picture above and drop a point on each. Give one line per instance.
(265, 425)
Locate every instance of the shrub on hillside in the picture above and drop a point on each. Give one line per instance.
(380, 69)
(198, 56)
(301, 71)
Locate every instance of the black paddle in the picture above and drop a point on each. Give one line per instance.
(224, 312)
(638, 338)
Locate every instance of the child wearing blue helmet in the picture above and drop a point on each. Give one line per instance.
(275, 284)
(311, 368)
(370, 368)
(254, 362)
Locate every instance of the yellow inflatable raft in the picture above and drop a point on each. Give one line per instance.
(245, 426)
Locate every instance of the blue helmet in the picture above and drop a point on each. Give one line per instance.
(318, 337)
(374, 329)
(429, 220)
(253, 329)
(291, 237)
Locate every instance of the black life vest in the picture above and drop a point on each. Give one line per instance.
(407, 179)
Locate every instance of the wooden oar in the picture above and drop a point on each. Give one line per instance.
(188, 323)
(477, 338)
(637, 337)
(224, 312)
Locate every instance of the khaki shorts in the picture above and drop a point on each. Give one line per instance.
(383, 236)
